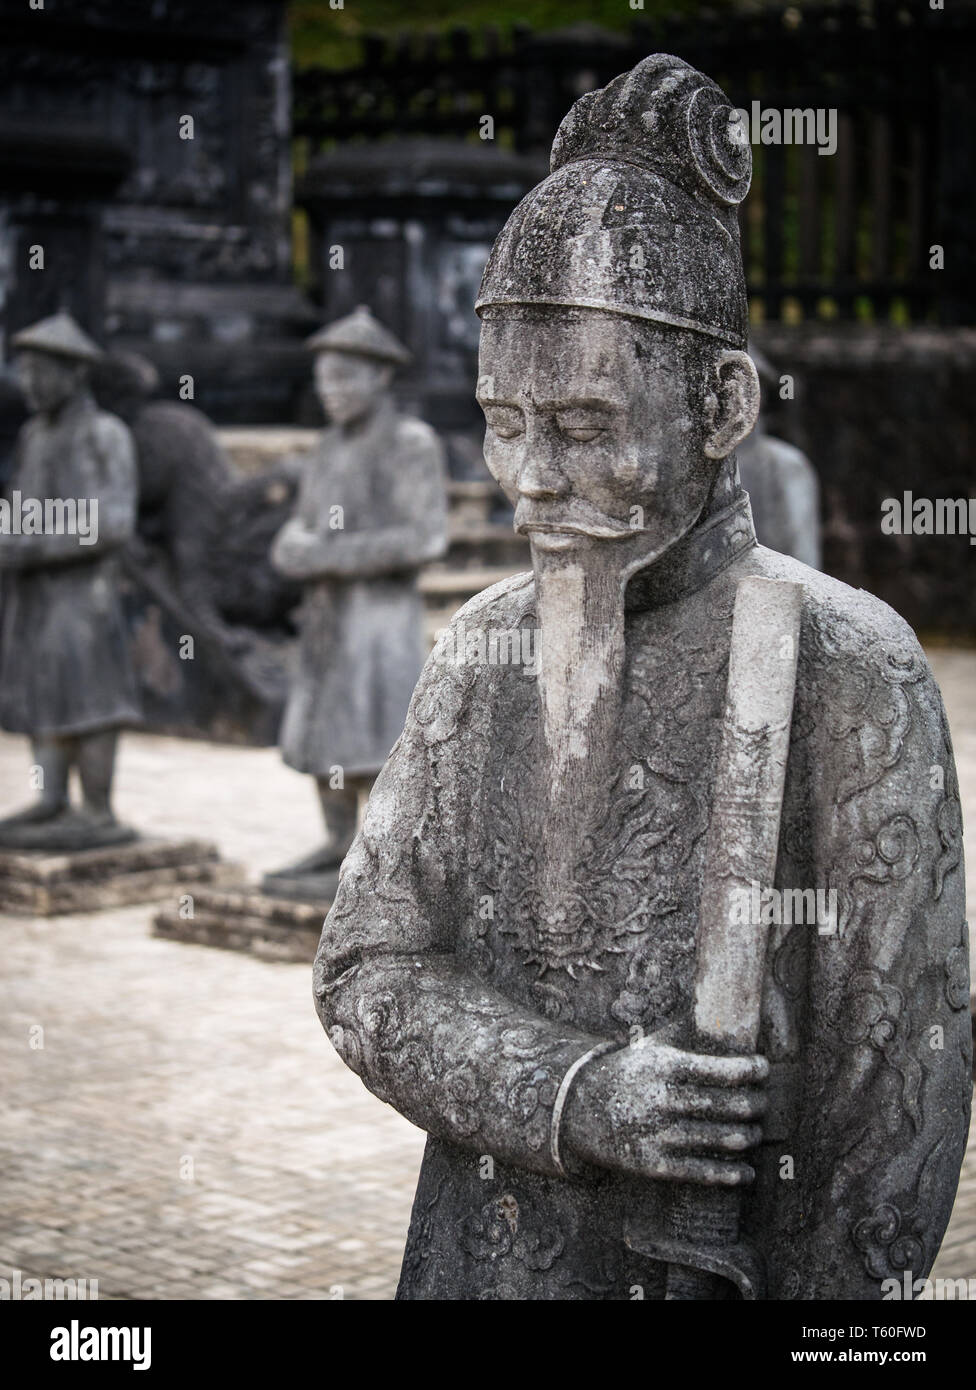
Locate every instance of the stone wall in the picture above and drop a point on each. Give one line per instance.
(881, 411)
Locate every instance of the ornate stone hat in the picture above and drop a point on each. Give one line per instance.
(60, 336)
(638, 214)
(361, 334)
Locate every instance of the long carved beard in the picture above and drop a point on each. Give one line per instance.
(580, 599)
(580, 604)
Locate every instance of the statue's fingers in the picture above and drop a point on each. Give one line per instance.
(720, 1071)
(717, 1103)
(712, 1172)
(692, 1136)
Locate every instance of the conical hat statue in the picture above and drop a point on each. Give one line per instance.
(59, 336)
(362, 335)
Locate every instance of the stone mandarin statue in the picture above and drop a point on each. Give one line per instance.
(510, 960)
(65, 673)
(371, 509)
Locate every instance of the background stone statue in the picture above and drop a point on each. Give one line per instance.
(510, 959)
(782, 485)
(199, 564)
(213, 527)
(65, 674)
(371, 509)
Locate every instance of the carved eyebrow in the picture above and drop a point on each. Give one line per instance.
(483, 398)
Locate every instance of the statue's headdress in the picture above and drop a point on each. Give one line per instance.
(363, 336)
(59, 336)
(638, 214)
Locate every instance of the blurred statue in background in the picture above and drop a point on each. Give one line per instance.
(371, 509)
(65, 674)
(782, 485)
(199, 565)
(210, 525)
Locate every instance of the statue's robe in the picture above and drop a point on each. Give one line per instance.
(442, 984)
(376, 500)
(65, 666)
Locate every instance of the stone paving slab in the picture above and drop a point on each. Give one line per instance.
(174, 1122)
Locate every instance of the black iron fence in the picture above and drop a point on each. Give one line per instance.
(883, 227)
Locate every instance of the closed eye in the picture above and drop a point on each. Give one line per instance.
(506, 422)
(583, 435)
(580, 426)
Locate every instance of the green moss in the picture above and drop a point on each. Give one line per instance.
(320, 35)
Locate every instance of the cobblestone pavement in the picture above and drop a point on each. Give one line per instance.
(185, 1130)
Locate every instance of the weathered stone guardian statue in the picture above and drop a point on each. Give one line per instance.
(65, 674)
(371, 510)
(518, 955)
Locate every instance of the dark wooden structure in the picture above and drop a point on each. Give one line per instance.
(171, 240)
(843, 236)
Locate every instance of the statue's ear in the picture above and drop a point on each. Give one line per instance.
(732, 404)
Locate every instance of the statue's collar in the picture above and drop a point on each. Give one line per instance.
(375, 427)
(76, 408)
(708, 548)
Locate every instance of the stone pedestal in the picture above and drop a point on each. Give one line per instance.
(273, 928)
(36, 883)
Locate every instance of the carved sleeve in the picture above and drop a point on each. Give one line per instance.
(399, 1003)
(886, 1101)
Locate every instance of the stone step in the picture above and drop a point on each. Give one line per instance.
(38, 884)
(274, 929)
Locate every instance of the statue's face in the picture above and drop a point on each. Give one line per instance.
(595, 425)
(349, 385)
(48, 382)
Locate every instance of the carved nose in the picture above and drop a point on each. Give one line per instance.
(540, 478)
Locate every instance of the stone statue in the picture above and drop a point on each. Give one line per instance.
(199, 564)
(65, 674)
(371, 509)
(782, 485)
(211, 527)
(514, 956)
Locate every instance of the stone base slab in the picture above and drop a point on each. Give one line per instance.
(271, 928)
(36, 883)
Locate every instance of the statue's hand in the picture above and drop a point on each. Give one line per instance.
(297, 550)
(660, 1112)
